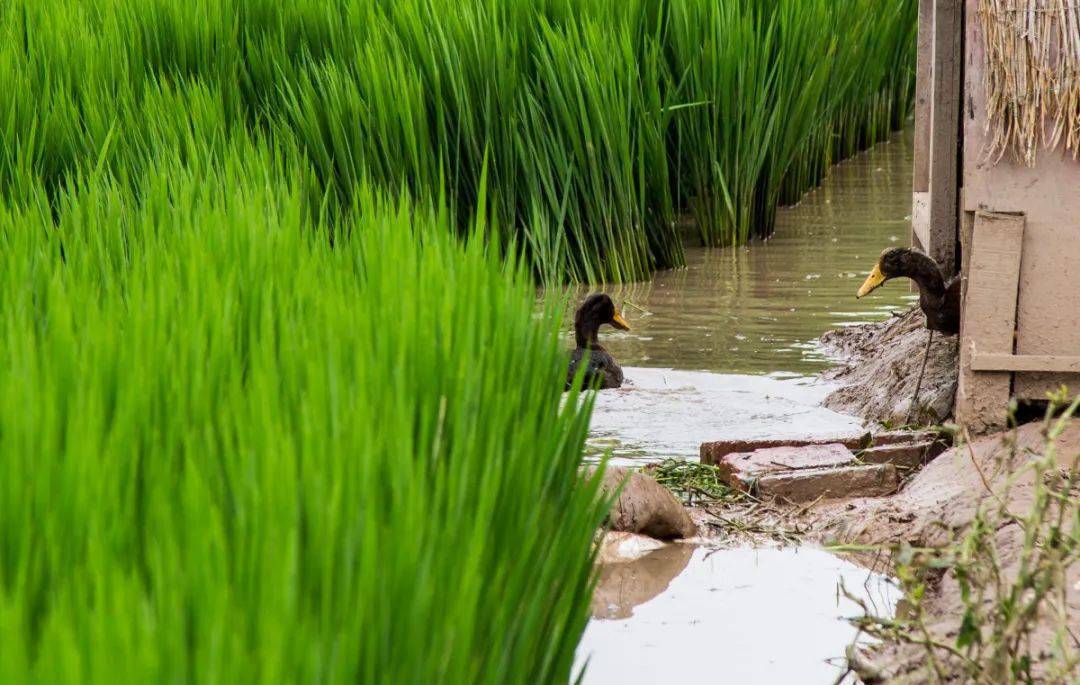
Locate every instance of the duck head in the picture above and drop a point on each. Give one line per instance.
(908, 262)
(593, 313)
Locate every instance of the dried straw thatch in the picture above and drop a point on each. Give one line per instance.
(1032, 64)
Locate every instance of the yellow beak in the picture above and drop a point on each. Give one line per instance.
(618, 322)
(872, 282)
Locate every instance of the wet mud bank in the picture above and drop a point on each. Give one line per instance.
(880, 365)
(937, 510)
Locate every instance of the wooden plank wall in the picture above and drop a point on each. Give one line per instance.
(1048, 194)
(988, 320)
(920, 182)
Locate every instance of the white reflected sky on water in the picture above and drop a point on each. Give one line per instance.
(741, 615)
(667, 413)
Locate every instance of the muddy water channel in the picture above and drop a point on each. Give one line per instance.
(727, 348)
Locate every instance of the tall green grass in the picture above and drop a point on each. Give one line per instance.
(233, 452)
(598, 122)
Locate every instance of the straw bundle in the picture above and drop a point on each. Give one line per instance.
(1032, 67)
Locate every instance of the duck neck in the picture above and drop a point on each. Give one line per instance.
(926, 273)
(587, 335)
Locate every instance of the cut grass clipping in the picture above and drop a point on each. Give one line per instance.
(598, 122)
(693, 482)
(232, 453)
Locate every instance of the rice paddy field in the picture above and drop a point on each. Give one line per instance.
(277, 403)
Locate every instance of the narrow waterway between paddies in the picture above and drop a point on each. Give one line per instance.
(728, 348)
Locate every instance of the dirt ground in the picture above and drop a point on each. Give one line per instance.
(934, 509)
(880, 369)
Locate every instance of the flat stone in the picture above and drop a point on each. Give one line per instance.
(742, 467)
(712, 452)
(618, 547)
(874, 480)
(903, 455)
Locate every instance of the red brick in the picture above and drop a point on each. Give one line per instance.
(875, 480)
(712, 452)
(741, 467)
(905, 436)
(906, 456)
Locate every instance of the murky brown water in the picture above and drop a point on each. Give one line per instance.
(727, 348)
(724, 349)
(761, 308)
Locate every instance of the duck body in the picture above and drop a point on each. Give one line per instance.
(939, 299)
(601, 371)
(942, 311)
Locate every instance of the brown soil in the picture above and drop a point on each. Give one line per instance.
(881, 368)
(933, 510)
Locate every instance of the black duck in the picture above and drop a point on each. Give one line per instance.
(601, 371)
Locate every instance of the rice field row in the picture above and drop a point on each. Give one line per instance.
(233, 453)
(596, 122)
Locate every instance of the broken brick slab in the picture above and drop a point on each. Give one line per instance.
(712, 453)
(903, 455)
(800, 486)
(742, 467)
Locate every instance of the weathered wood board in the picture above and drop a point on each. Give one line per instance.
(1040, 363)
(946, 94)
(988, 320)
(923, 76)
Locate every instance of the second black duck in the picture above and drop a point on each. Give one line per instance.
(601, 370)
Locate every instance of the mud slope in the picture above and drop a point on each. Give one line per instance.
(933, 510)
(880, 368)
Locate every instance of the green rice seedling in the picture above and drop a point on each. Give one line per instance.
(231, 452)
(595, 122)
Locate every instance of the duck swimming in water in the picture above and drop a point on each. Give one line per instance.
(601, 370)
(939, 299)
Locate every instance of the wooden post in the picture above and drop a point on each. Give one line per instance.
(920, 182)
(946, 94)
(988, 321)
(923, 78)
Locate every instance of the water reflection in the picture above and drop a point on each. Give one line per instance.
(623, 585)
(734, 616)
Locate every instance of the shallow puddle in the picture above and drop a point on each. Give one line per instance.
(728, 347)
(690, 614)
